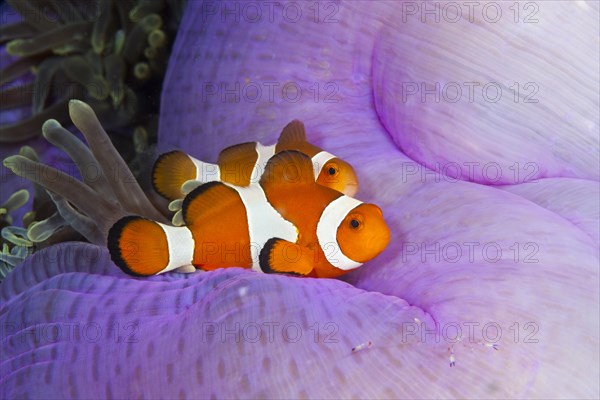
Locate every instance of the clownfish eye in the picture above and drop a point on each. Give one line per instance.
(355, 222)
(331, 169)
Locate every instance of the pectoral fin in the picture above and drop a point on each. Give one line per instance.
(281, 256)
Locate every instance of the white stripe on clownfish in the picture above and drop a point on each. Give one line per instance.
(264, 155)
(264, 222)
(180, 244)
(330, 220)
(283, 213)
(319, 160)
(206, 172)
(244, 164)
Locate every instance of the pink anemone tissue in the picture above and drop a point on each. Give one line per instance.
(473, 125)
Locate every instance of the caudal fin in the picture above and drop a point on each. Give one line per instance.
(138, 246)
(169, 173)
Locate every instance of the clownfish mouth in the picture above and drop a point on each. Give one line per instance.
(379, 242)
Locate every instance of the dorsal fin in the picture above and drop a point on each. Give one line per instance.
(289, 167)
(208, 201)
(216, 215)
(293, 132)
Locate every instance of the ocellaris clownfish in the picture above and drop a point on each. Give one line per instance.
(243, 164)
(287, 223)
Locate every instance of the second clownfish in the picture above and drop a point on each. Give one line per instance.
(243, 164)
(287, 223)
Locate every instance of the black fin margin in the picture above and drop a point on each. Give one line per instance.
(191, 196)
(265, 254)
(154, 168)
(112, 243)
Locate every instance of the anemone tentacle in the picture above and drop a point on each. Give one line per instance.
(101, 51)
(93, 205)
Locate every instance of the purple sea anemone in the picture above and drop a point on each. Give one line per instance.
(490, 286)
(113, 55)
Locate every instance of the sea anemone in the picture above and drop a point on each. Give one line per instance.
(111, 53)
(90, 207)
(15, 246)
(16, 243)
(481, 291)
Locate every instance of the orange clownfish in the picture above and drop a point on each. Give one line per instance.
(243, 164)
(287, 223)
